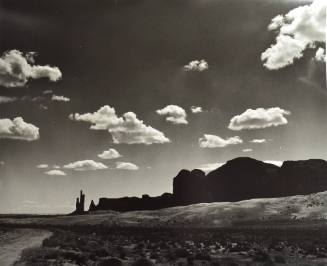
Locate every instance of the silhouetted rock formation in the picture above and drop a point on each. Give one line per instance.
(190, 187)
(242, 178)
(80, 203)
(135, 203)
(239, 179)
(92, 206)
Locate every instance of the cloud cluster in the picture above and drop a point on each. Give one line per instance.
(247, 150)
(59, 98)
(109, 154)
(277, 163)
(175, 114)
(42, 166)
(126, 129)
(212, 141)
(208, 167)
(55, 172)
(197, 65)
(85, 165)
(196, 109)
(299, 29)
(321, 55)
(16, 69)
(6, 99)
(259, 118)
(258, 141)
(126, 166)
(18, 129)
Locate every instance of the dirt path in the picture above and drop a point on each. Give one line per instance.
(14, 241)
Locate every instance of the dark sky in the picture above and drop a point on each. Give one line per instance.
(129, 54)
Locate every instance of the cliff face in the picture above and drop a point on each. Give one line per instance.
(239, 179)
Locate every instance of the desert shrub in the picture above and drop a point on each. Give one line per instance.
(154, 256)
(34, 254)
(261, 256)
(202, 256)
(110, 262)
(182, 253)
(78, 257)
(279, 259)
(101, 252)
(143, 262)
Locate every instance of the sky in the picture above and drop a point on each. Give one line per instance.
(115, 97)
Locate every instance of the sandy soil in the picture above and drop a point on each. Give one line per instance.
(12, 243)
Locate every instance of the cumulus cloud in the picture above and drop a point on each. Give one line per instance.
(48, 92)
(258, 141)
(321, 55)
(18, 129)
(56, 166)
(42, 166)
(277, 163)
(175, 114)
(85, 165)
(247, 150)
(212, 141)
(299, 29)
(259, 118)
(109, 154)
(55, 172)
(5, 99)
(208, 167)
(126, 166)
(60, 98)
(197, 65)
(16, 69)
(196, 109)
(126, 129)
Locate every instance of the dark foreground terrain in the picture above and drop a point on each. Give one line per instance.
(145, 246)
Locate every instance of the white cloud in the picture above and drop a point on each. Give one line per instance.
(299, 29)
(56, 166)
(18, 129)
(126, 166)
(197, 65)
(277, 163)
(2, 163)
(196, 109)
(126, 129)
(258, 141)
(42, 166)
(259, 118)
(5, 99)
(109, 154)
(175, 114)
(85, 165)
(321, 55)
(55, 172)
(208, 167)
(16, 69)
(247, 150)
(48, 92)
(60, 98)
(212, 141)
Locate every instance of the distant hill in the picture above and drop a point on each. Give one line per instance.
(302, 211)
(239, 179)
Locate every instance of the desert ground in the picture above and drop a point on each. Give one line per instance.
(276, 231)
